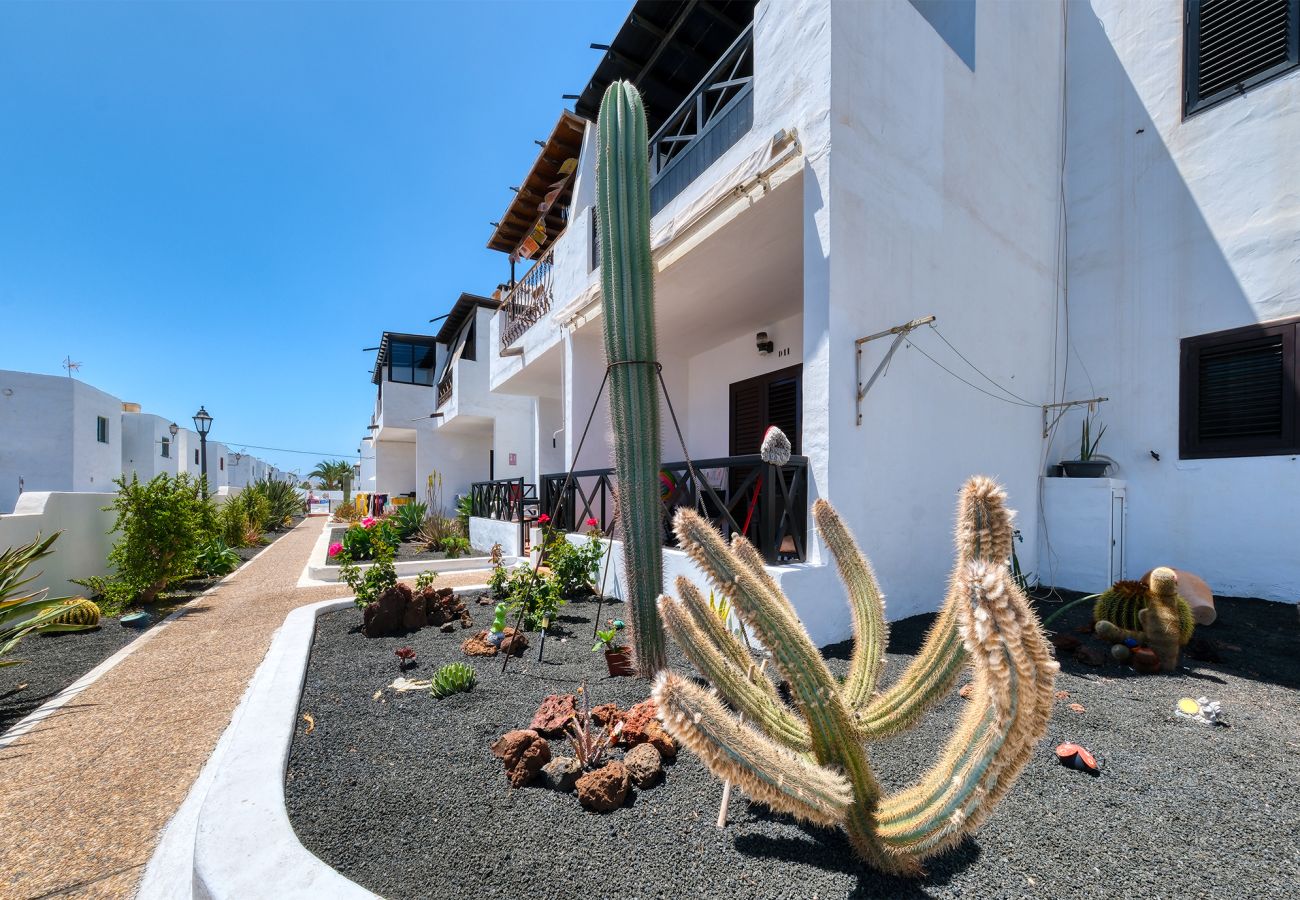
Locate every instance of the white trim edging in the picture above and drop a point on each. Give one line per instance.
(244, 844)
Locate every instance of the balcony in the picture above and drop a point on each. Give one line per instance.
(717, 113)
(445, 386)
(528, 301)
(738, 494)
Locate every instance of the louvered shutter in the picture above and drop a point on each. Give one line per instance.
(1232, 45)
(747, 425)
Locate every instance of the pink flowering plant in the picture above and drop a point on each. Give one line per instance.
(336, 548)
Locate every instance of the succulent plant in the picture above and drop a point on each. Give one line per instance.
(452, 678)
(627, 284)
(1161, 619)
(79, 614)
(1121, 606)
(808, 761)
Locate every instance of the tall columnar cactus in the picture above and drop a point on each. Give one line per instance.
(627, 282)
(809, 760)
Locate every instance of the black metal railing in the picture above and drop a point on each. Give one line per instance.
(506, 500)
(528, 301)
(738, 494)
(707, 123)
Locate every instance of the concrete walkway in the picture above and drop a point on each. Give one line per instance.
(84, 796)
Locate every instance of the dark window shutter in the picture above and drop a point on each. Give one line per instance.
(1239, 392)
(747, 421)
(1231, 45)
(770, 399)
(783, 408)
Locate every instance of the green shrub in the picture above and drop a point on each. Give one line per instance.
(256, 507)
(575, 567)
(464, 506)
(455, 546)
(216, 558)
(282, 501)
(537, 595)
(425, 580)
(498, 581)
(362, 542)
(161, 525)
(368, 583)
(231, 525)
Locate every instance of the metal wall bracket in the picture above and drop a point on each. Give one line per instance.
(900, 332)
(1063, 408)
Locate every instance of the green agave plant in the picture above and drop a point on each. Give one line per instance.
(23, 612)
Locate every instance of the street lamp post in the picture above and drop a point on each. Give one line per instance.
(202, 424)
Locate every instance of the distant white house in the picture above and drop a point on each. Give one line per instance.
(56, 434)
(148, 447)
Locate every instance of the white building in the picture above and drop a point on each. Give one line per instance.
(825, 172)
(56, 434)
(434, 411)
(148, 447)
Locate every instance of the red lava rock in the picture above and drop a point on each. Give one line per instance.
(967, 690)
(387, 614)
(1089, 656)
(443, 606)
(1078, 707)
(554, 715)
(479, 645)
(514, 642)
(607, 715)
(1062, 695)
(1145, 660)
(1065, 643)
(604, 789)
(524, 753)
(635, 720)
(660, 740)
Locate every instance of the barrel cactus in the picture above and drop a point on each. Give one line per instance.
(808, 761)
(627, 284)
(1121, 605)
(78, 614)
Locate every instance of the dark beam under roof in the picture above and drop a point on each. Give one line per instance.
(665, 49)
(524, 211)
(461, 310)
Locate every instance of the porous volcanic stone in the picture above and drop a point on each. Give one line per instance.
(635, 721)
(387, 614)
(561, 773)
(644, 765)
(479, 645)
(606, 788)
(524, 753)
(607, 715)
(553, 715)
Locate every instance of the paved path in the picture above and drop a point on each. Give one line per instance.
(84, 796)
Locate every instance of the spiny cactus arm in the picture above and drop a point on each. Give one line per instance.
(737, 685)
(716, 630)
(627, 283)
(984, 529)
(833, 735)
(870, 630)
(738, 753)
(927, 679)
(1014, 678)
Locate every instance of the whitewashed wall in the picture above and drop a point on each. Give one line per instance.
(142, 437)
(395, 463)
(1178, 228)
(81, 551)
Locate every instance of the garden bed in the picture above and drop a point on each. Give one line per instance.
(401, 794)
(410, 560)
(55, 661)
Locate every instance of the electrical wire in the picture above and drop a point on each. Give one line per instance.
(978, 370)
(286, 450)
(1024, 403)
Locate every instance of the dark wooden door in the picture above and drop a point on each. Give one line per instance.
(775, 398)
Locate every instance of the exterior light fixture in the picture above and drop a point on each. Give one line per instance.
(173, 429)
(203, 424)
(764, 345)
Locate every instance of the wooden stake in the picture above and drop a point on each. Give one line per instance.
(726, 785)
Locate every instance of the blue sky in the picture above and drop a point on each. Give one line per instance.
(222, 203)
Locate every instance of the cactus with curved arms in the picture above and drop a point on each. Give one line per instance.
(809, 760)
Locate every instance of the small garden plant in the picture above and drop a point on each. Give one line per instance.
(453, 678)
(367, 584)
(575, 566)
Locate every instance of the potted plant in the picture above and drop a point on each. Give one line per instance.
(1089, 464)
(618, 658)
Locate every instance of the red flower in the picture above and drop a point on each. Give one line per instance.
(592, 523)
(543, 519)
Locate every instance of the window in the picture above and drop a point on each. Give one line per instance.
(1232, 45)
(101, 429)
(1238, 392)
(166, 448)
(221, 463)
(196, 457)
(410, 363)
(468, 352)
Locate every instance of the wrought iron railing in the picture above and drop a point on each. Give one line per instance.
(707, 123)
(506, 500)
(738, 494)
(528, 301)
(445, 386)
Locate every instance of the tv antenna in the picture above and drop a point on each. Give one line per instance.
(70, 366)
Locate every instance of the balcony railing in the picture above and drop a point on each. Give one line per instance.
(738, 494)
(445, 386)
(528, 301)
(506, 500)
(706, 124)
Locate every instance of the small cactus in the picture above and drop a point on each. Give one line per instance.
(1160, 618)
(808, 761)
(451, 679)
(1121, 604)
(79, 614)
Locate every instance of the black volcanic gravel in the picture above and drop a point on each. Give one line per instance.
(55, 661)
(403, 796)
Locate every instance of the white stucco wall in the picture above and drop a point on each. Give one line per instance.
(460, 458)
(81, 551)
(942, 199)
(395, 467)
(1177, 228)
(142, 436)
(483, 533)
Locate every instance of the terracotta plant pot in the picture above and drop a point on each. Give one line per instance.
(619, 662)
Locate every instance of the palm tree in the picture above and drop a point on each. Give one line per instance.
(334, 475)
